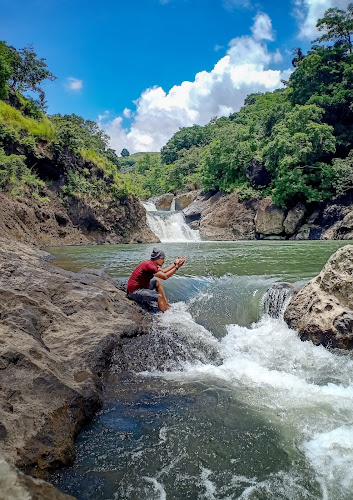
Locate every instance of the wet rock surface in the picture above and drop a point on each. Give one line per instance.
(322, 311)
(58, 331)
(14, 485)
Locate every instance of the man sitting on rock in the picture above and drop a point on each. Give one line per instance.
(145, 285)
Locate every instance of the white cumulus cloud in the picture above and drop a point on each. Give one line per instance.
(309, 11)
(74, 84)
(159, 114)
(262, 28)
(127, 113)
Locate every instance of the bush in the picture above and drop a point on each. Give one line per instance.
(17, 178)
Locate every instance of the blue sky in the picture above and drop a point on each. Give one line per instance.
(144, 68)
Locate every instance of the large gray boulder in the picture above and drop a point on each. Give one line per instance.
(228, 219)
(185, 199)
(269, 218)
(322, 311)
(201, 204)
(163, 202)
(294, 219)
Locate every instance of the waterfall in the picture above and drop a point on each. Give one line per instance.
(169, 226)
(149, 206)
(276, 299)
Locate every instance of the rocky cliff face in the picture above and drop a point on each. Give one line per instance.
(53, 224)
(322, 311)
(222, 217)
(58, 331)
(219, 216)
(78, 220)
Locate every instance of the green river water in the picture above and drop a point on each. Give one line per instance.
(248, 412)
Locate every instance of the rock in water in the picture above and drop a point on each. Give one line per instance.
(58, 331)
(322, 311)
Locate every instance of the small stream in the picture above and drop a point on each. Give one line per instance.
(220, 400)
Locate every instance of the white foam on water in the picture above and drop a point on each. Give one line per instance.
(158, 488)
(332, 452)
(208, 484)
(299, 387)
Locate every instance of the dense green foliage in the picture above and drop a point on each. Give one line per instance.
(17, 178)
(94, 172)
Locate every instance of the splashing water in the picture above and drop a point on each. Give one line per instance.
(233, 406)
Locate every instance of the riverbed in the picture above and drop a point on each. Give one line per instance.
(234, 405)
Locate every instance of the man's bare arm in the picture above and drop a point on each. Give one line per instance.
(166, 273)
(166, 269)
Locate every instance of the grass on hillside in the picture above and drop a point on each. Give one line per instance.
(92, 156)
(12, 117)
(127, 162)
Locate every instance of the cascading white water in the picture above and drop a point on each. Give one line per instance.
(169, 226)
(149, 206)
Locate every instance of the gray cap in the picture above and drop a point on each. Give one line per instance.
(157, 254)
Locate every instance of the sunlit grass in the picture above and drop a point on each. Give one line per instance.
(92, 156)
(43, 129)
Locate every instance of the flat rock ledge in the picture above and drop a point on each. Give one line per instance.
(322, 311)
(58, 332)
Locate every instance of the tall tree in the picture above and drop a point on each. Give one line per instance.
(125, 153)
(338, 26)
(25, 71)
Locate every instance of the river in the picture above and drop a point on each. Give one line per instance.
(229, 403)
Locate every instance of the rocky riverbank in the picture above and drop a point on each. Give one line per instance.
(58, 331)
(223, 217)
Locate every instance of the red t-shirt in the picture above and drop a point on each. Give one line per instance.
(142, 275)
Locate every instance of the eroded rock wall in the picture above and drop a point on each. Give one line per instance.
(53, 224)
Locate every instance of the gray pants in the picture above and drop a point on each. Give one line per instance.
(145, 294)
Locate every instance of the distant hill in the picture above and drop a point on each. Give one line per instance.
(129, 161)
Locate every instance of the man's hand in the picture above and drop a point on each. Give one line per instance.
(179, 261)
